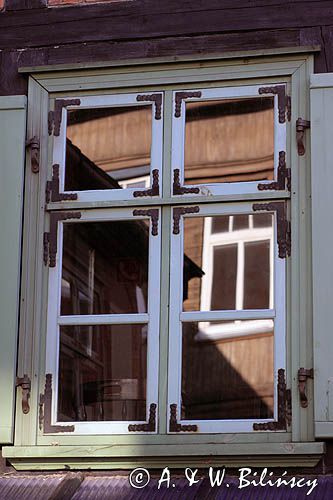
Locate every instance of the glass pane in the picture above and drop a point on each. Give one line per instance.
(224, 377)
(224, 277)
(107, 146)
(256, 275)
(262, 220)
(105, 268)
(227, 263)
(220, 224)
(230, 140)
(102, 373)
(240, 222)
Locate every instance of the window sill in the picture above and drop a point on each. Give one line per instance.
(199, 455)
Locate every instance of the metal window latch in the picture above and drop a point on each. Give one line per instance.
(25, 383)
(303, 375)
(301, 125)
(34, 146)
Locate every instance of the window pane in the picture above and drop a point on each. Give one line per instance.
(224, 377)
(224, 277)
(240, 222)
(230, 140)
(107, 146)
(262, 220)
(256, 275)
(220, 224)
(105, 268)
(227, 263)
(102, 373)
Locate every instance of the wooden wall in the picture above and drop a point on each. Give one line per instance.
(146, 28)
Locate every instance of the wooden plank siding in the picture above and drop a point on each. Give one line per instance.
(137, 29)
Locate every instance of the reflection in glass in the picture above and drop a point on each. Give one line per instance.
(230, 140)
(105, 268)
(102, 373)
(107, 147)
(233, 255)
(227, 378)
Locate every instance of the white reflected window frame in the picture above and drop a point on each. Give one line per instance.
(213, 332)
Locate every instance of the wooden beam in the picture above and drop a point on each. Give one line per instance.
(149, 19)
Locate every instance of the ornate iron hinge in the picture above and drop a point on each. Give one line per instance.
(156, 99)
(155, 187)
(284, 407)
(284, 101)
(34, 146)
(283, 177)
(303, 375)
(52, 188)
(180, 96)
(301, 125)
(178, 189)
(178, 211)
(45, 416)
(174, 426)
(153, 214)
(25, 383)
(150, 426)
(283, 224)
(51, 237)
(56, 115)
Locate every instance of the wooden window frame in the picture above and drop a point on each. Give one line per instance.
(214, 94)
(109, 101)
(150, 318)
(296, 446)
(178, 317)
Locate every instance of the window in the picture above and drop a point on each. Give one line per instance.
(168, 306)
(227, 288)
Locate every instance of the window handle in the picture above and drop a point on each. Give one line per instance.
(25, 383)
(303, 375)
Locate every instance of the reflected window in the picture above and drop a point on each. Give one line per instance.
(235, 255)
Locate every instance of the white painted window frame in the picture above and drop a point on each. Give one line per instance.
(177, 317)
(210, 331)
(178, 139)
(151, 318)
(103, 101)
(133, 180)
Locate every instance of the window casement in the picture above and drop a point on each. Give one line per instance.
(104, 264)
(173, 235)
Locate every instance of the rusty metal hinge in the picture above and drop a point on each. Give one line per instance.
(45, 411)
(150, 426)
(25, 383)
(301, 125)
(283, 224)
(52, 188)
(303, 375)
(180, 96)
(156, 99)
(284, 101)
(284, 407)
(155, 187)
(55, 116)
(283, 177)
(153, 214)
(178, 189)
(34, 145)
(50, 239)
(178, 211)
(174, 426)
